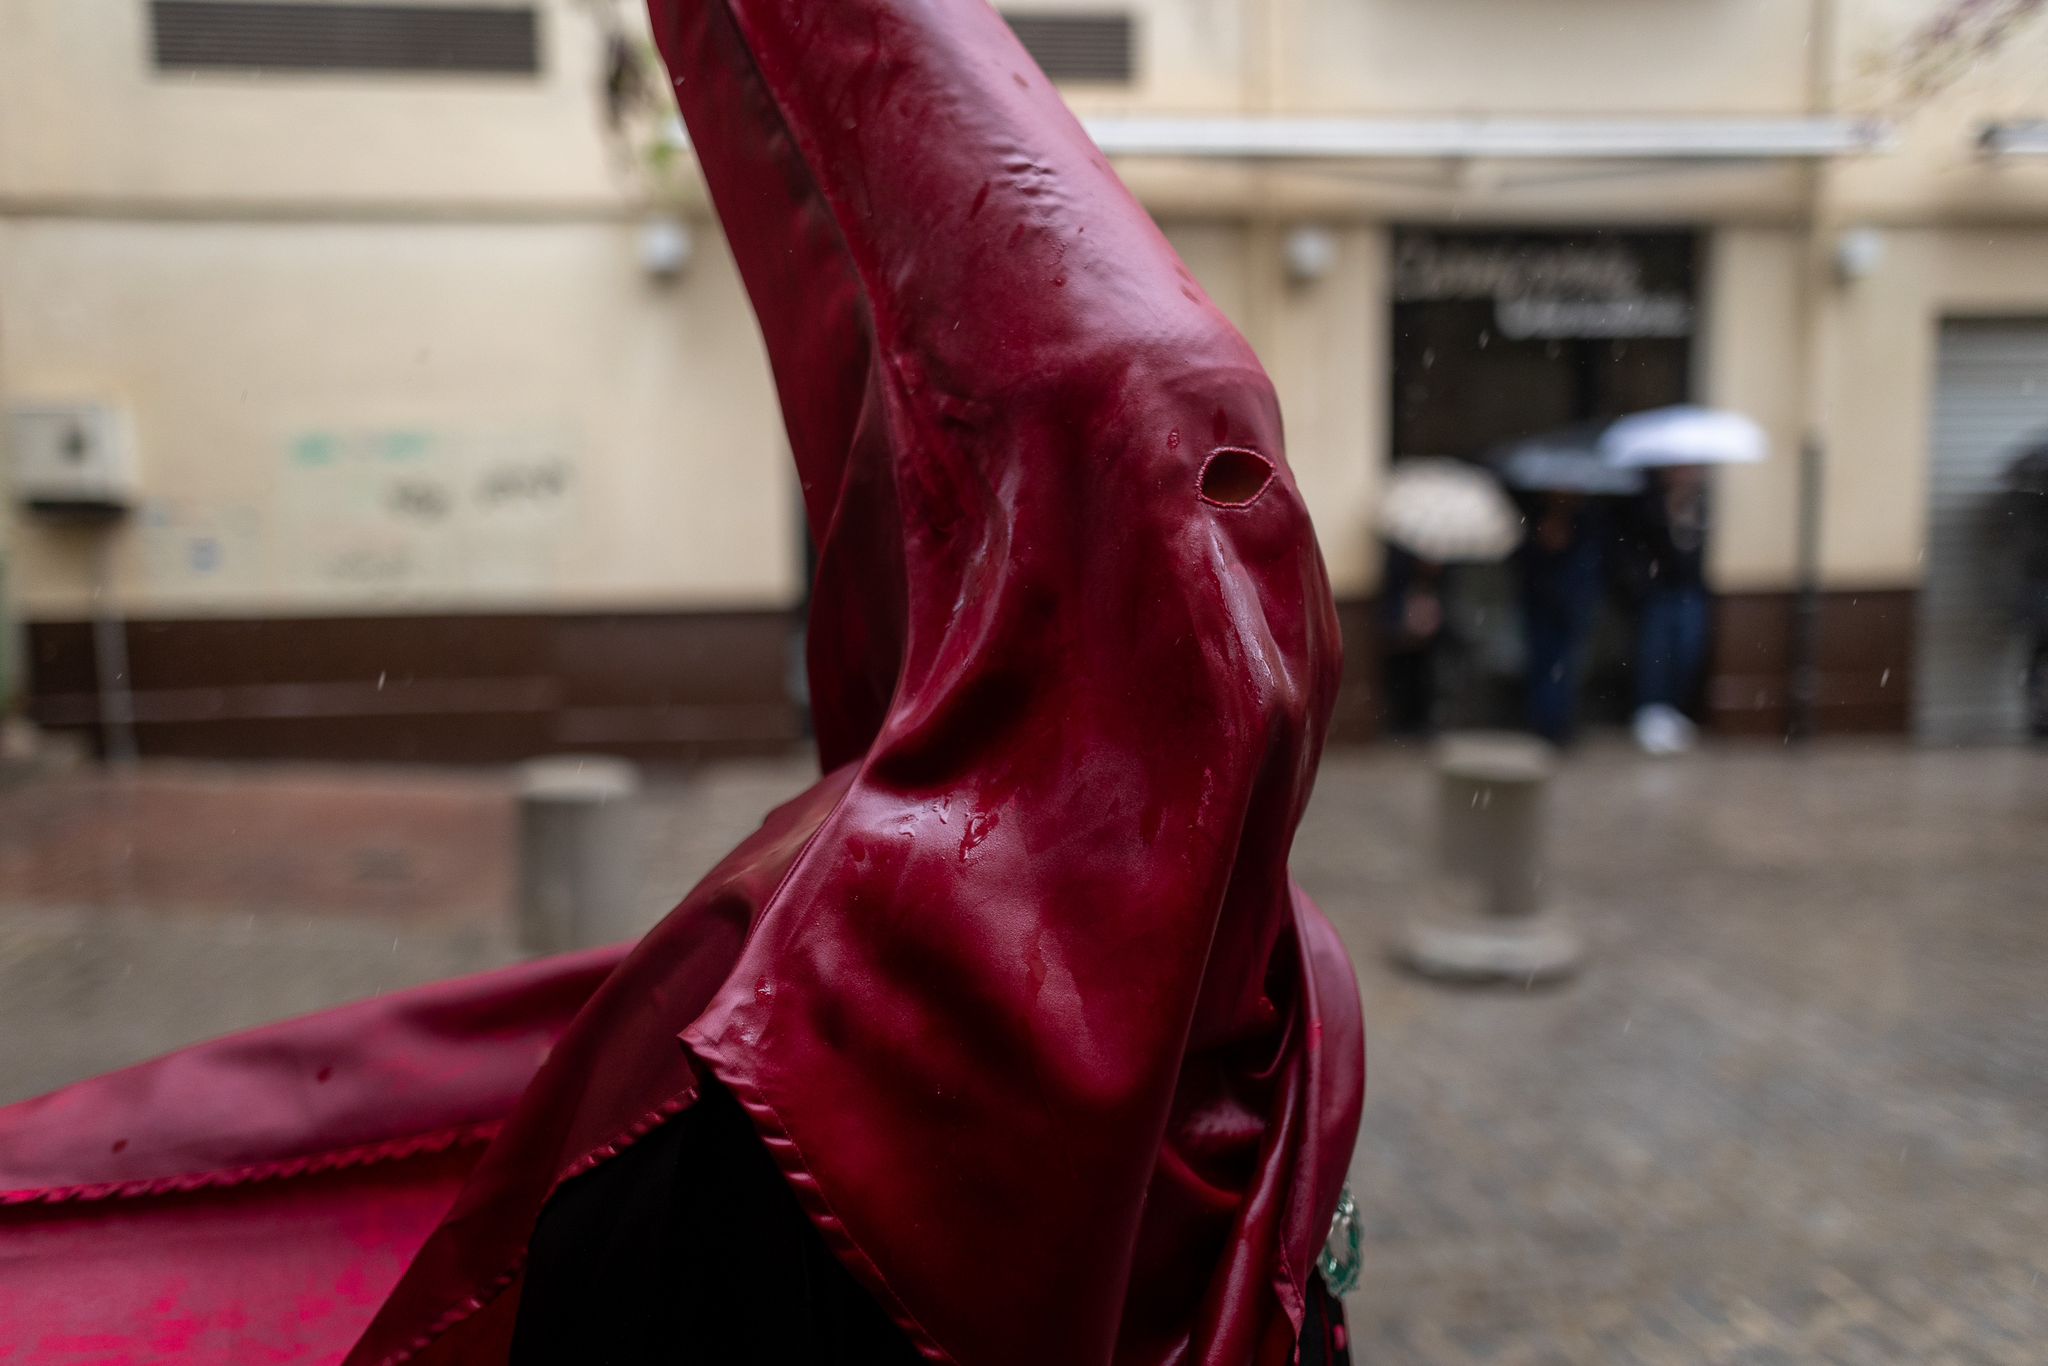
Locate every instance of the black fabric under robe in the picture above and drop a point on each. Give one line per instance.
(689, 1248)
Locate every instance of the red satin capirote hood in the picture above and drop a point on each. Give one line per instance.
(1030, 1019)
(1019, 995)
(1052, 1051)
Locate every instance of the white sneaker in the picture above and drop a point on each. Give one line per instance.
(1663, 730)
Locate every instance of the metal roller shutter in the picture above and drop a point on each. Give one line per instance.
(1990, 403)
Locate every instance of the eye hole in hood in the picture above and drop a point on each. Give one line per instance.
(1233, 477)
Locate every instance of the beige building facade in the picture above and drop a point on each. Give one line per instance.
(439, 454)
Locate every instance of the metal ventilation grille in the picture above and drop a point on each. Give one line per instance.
(270, 35)
(1078, 47)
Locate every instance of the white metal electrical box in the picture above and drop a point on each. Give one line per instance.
(76, 458)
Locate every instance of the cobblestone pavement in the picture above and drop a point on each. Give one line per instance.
(1794, 1110)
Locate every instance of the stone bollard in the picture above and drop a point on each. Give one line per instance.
(1486, 919)
(578, 876)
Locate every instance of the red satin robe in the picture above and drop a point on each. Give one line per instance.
(1019, 996)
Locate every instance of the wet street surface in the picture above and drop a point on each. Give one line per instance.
(1794, 1109)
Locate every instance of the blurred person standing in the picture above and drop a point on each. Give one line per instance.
(1561, 586)
(1668, 538)
(1436, 515)
(1412, 618)
(2034, 568)
(2026, 483)
(1666, 547)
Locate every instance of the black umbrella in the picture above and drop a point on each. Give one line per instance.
(2028, 473)
(1568, 460)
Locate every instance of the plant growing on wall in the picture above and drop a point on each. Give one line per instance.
(1957, 37)
(633, 101)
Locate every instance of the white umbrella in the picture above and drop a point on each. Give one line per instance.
(1682, 435)
(1448, 511)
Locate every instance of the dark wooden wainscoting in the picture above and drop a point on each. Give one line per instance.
(487, 688)
(1865, 656)
(1865, 652)
(472, 688)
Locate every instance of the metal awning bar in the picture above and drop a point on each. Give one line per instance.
(2028, 138)
(1306, 139)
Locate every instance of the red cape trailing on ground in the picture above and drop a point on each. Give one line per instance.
(254, 1199)
(1019, 995)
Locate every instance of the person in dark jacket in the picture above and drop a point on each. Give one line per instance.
(2027, 501)
(1670, 534)
(1560, 565)
(1413, 625)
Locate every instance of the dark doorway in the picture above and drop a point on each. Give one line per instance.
(1501, 335)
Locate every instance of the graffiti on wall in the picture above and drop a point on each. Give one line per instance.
(416, 510)
(375, 515)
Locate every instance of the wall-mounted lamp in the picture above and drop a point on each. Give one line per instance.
(1310, 254)
(2021, 138)
(666, 247)
(1858, 254)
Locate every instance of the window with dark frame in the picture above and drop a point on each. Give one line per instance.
(1082, 48)
(336, 35)
(273, 36)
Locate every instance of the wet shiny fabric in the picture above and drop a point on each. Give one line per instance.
(254, 1199)
(1055, 1057)
(1018, 998)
